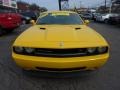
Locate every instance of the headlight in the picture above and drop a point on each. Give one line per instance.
(102, 49)
(18, 49)
(29, 50)
(91, 50)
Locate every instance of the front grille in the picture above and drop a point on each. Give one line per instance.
(60, 52)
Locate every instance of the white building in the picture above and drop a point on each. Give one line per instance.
(8, 3)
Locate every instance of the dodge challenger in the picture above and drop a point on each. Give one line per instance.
(60, 41)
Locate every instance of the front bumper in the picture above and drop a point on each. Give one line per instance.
(60, 64)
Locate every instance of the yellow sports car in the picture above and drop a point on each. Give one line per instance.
(60, 41)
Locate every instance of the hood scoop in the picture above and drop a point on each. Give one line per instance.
(42, 28)
(78, 28)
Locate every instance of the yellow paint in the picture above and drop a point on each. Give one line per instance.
(57, 14)
(31, 62)
(43, 15)
(51, 38)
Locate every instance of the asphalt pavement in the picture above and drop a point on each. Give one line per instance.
(107, 78)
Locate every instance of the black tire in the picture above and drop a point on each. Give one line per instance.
(95, 20)
(1, 31)
(106, 21)
(9, 30)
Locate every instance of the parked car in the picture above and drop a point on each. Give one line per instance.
(60, 41)
(30, 15)
(114, 19)
(87, 16)
(25, 19)
(81, 15)
(104, 17)
(9, 21)
(95, 16)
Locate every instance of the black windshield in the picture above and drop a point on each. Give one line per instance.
(72, 18)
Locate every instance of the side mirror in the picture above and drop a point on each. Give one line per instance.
(32, 22)
(87, 22)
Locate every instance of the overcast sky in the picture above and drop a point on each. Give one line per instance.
(53, 4)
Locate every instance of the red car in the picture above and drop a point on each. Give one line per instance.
(9, 21)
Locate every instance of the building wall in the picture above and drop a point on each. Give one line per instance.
(22, 6)
(9, 3)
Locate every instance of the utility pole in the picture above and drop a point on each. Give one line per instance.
(80, 4)
(110, 10)
(105, 5)
(59, 1)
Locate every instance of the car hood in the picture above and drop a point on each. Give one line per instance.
(38, 35)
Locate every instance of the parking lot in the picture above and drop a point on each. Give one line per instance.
(106, 78)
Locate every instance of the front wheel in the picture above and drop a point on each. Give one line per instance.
(106, 21)
(9, 31)
(1, 32)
